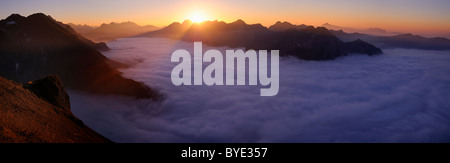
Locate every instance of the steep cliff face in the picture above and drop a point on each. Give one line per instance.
(39, 112)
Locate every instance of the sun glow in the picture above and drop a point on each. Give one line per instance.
(198, 17)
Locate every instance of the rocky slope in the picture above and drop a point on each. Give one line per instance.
(39, 112)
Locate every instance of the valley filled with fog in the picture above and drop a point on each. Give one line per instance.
(400, 96)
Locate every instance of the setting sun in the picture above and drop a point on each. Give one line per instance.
(198, 17)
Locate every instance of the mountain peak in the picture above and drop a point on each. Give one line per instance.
(410, 36)
(283, 26)
(39, 15)
(239, 22)
(14, 17)
(116, 24)
(187, 22)
(283, 23)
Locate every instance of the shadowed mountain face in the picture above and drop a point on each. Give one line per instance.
(301, 41)
(37, 45)
(112, 31)
(39, 112)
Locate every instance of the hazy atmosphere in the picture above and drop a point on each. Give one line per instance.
(428, 18)
(107, 71)
(400, 96)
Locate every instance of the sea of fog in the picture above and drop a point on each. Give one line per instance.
(401, 96)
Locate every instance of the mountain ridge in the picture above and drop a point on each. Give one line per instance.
(372, 30)
(408, 40)
(112, 30)
(304, 42)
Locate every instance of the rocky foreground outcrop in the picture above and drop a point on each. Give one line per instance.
(39, 112)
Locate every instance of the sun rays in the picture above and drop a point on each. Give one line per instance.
(198, 17)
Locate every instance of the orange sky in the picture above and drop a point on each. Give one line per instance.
(417, 16)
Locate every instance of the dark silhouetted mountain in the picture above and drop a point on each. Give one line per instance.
(40, 113)
(11, 23)
(306, 43)
(38, 45)
(361, 47)
(112, 31)
(284, 26)
(408, 41)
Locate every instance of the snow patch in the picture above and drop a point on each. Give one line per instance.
(11, 23)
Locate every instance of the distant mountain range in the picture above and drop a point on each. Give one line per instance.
(81, 28)
(38, 45)
(370, 31)
(408, 41)
(112, 31)
(384, 39)
(39, 112)
(284, 26)
(305, 42)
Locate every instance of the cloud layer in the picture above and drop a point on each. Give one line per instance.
(401, 96)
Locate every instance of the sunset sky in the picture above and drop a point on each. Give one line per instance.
(429, 17)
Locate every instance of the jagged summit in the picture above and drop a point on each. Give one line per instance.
(283, 26)
(113, 30)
